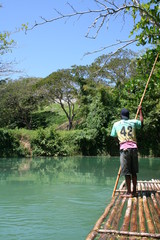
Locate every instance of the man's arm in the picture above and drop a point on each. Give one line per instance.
(113, 131)
(141, 115)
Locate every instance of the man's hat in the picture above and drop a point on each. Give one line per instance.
(125, 114)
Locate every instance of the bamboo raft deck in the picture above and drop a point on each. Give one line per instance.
(131, 218)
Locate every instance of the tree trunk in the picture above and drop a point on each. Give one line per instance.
(70, 124)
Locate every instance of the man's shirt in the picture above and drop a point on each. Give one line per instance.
(125, 130)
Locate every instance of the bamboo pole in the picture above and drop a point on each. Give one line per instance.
(94, 232)
(122, 186)
(148, 217)
(126, 233)
(143, 187)
(147, 187)
(109, 222)
(113, 213)
(117, 180)
(154, 212)
(119, 171)
(125, 225)
(147, 84)
(138, 191)
(156, 205)
(133, 225)
(158, 185)
(117, 217)
(139, 186)
(153, 186)
(144, 181)
(150, 186)
(142, 225)
(158, 198)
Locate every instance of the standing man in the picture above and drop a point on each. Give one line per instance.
(125, 130)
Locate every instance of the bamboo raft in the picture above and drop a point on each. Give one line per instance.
(131, 218)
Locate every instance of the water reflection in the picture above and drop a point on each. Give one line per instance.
(97, 170)
(149, 168)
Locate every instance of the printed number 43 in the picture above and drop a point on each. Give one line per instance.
(127, 131)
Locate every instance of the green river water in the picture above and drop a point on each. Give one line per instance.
(58, 198)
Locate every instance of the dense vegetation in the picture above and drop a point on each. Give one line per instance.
(71, 111)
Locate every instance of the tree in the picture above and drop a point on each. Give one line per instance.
(147, 29)
(146, 16)
(5, 43)
(60, 87)
(87, 88)
(100, 109)
(18, 101)
(5, 46)
(134, 88)
(131, 96)
(117, 70)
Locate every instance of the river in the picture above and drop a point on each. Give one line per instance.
(58, 198)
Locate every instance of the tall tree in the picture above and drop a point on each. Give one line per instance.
(117, 70)
(18, 101)
(61, 88)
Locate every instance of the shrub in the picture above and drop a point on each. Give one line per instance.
(10, 145)
(69, 141)
(47, 143)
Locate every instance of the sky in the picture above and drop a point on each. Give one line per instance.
(56, 45)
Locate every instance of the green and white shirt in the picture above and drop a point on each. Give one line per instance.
(125, 130)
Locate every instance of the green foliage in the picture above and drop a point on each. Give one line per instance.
(60, 87)
(40, 119)
(134, 88)
(5, 43)
(10, 145)
(24, 27)
(18, 101)
(47, 143)
(70, 143)
(97, 115)
(90, 142)
(86, 140)
(44, 119)
(114, 71)
(25, 105)
(148, 25)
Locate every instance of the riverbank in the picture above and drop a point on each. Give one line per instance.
(51, 142)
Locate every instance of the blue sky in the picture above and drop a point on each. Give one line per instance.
(56, 45)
